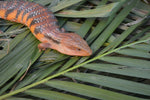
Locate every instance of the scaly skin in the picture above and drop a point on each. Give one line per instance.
(43, 25)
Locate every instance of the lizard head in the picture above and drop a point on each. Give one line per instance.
(73, 44)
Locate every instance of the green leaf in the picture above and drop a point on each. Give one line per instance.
(119, 69)
(111, 82)
(18, 62)
(134, 52)
(15, 98)
(123, 36)
(103, 11)
(39, 74)
(126, 61)
(51, 95)
(89, 91)
(113, 25)
(63, 4)
(43, 2)
(142, 47)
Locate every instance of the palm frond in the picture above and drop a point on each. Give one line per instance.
(117, 70)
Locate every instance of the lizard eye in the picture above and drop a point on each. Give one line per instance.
(78, 49)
